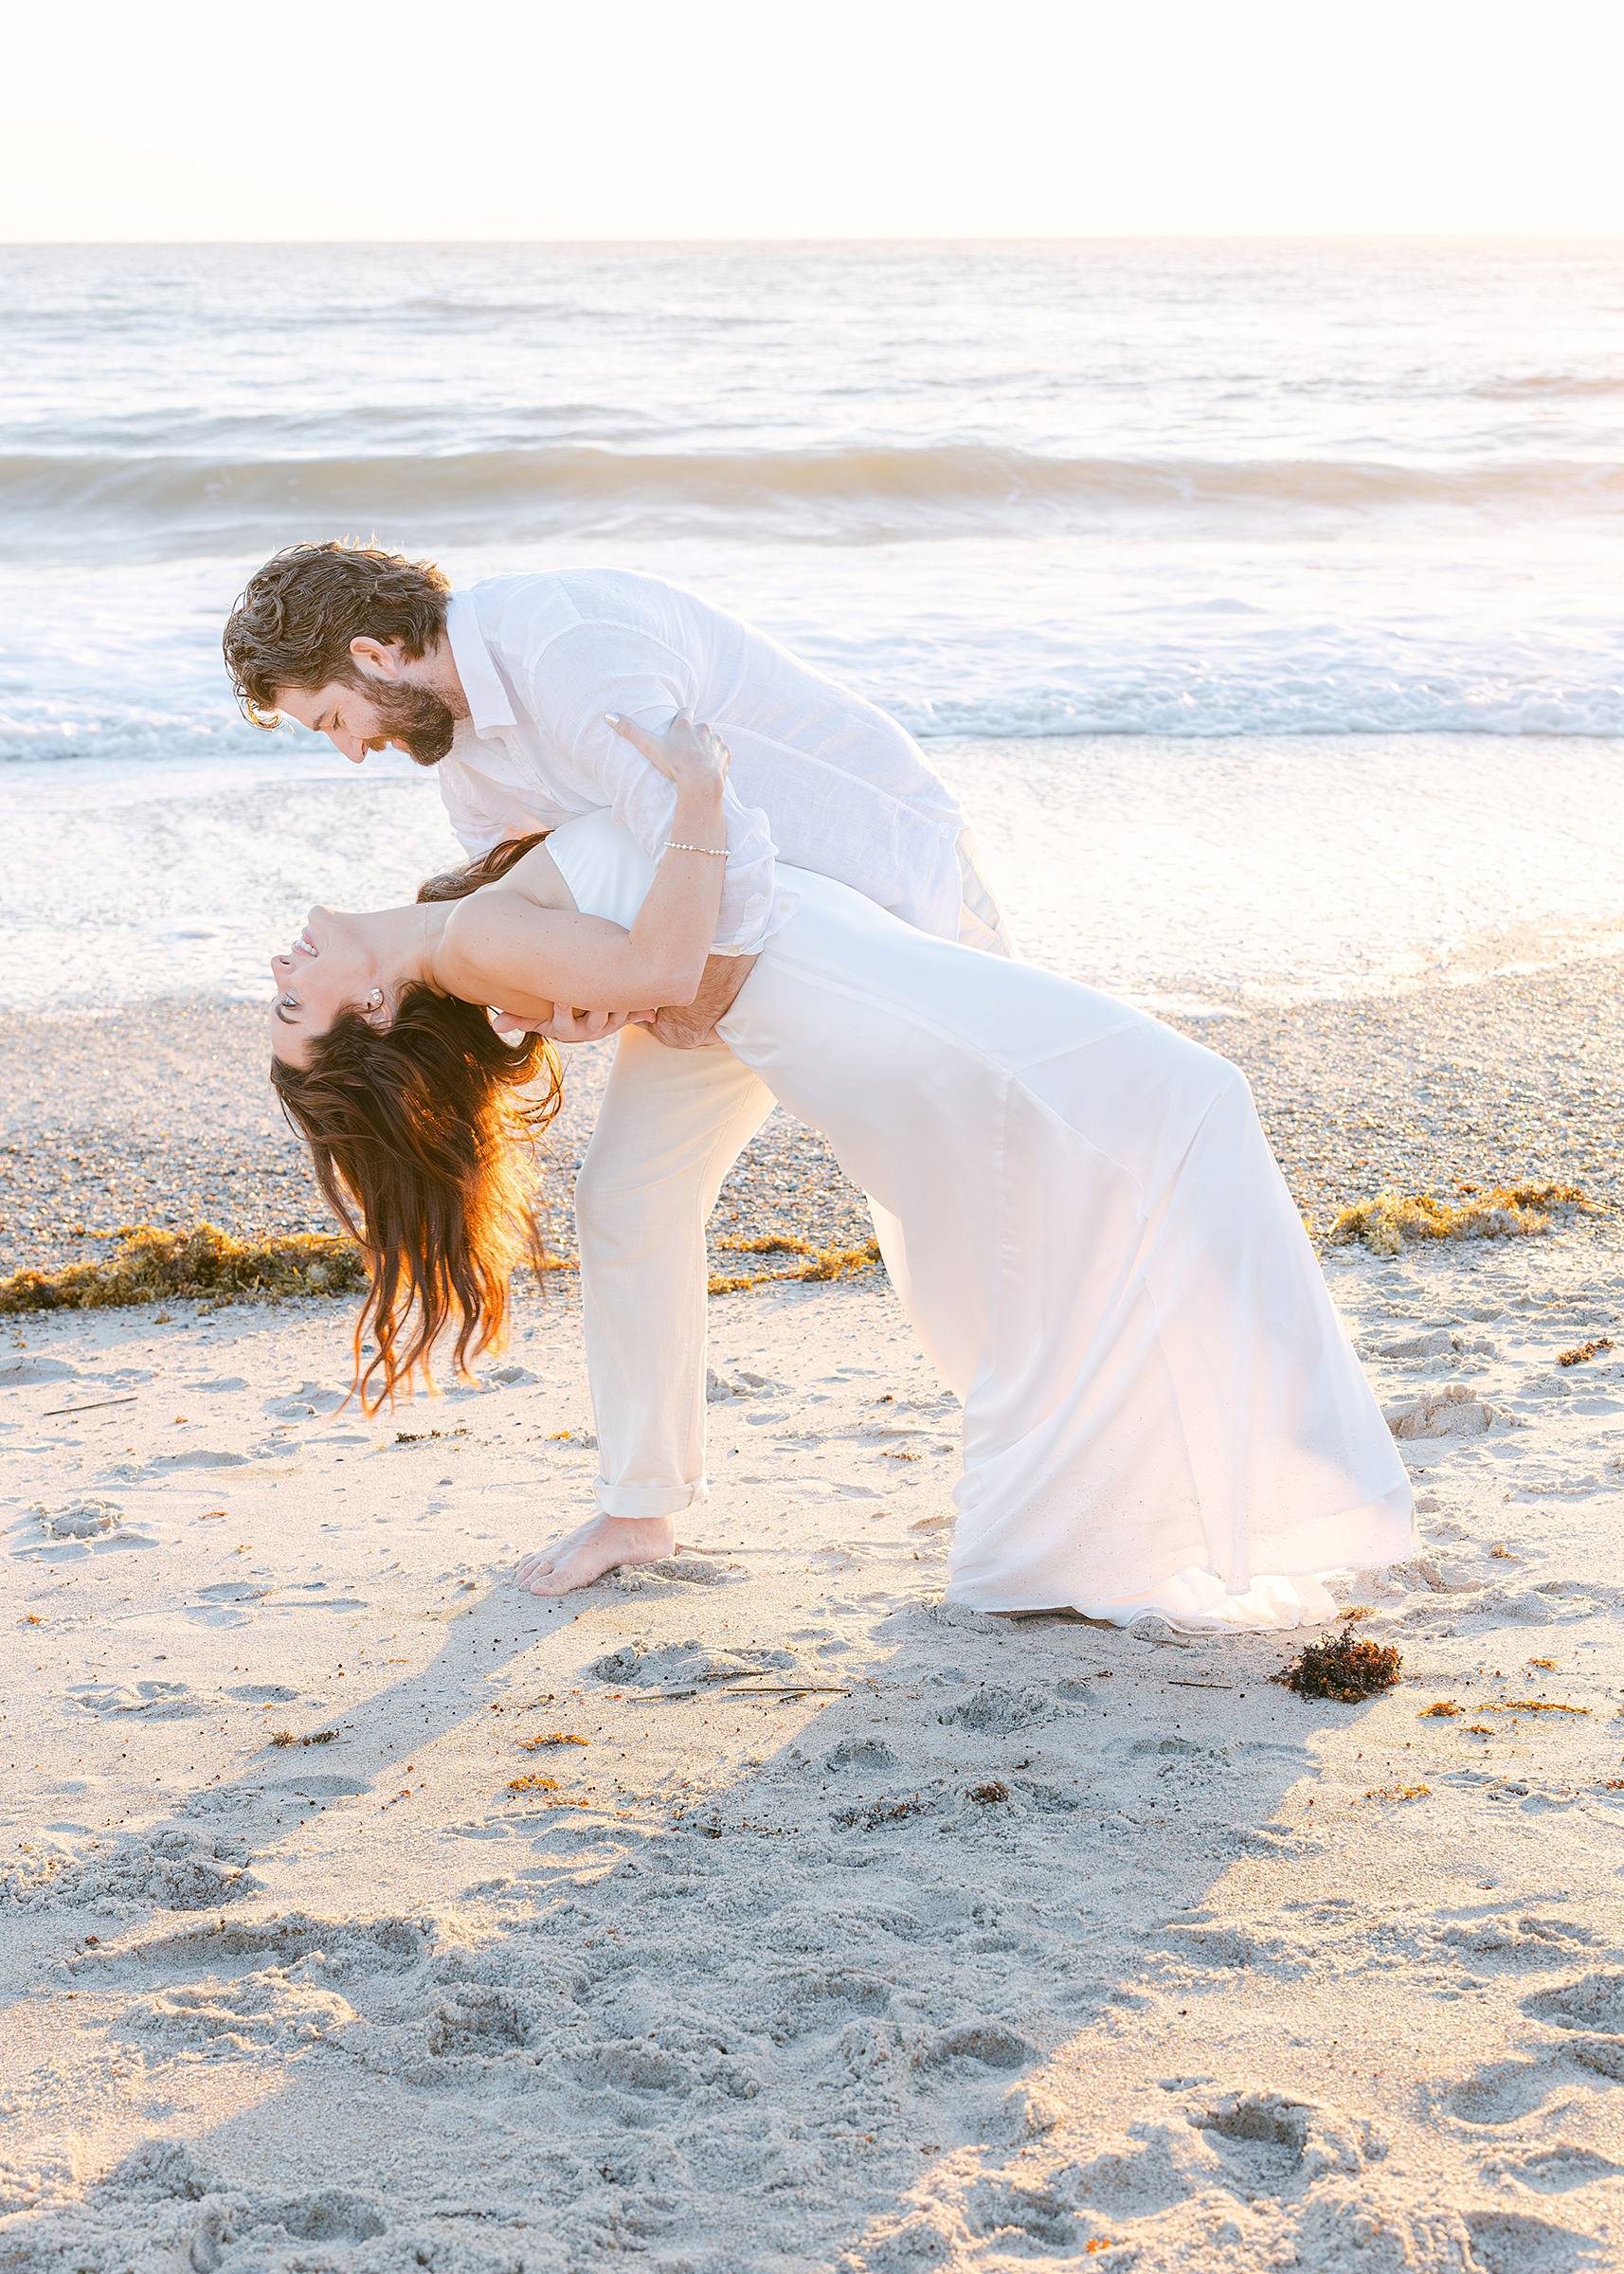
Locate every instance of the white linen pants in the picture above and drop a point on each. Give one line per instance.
(672, 1124)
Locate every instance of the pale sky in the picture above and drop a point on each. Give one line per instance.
(188, 119)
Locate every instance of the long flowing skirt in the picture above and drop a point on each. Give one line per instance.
(1082, 1216)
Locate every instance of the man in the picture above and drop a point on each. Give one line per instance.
(508, 689)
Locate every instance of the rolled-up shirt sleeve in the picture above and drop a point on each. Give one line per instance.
(595, 668)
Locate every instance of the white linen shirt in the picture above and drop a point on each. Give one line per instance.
(819, 778)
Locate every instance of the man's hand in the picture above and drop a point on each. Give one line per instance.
(693, 1027)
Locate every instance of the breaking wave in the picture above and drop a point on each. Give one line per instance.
(137, 506)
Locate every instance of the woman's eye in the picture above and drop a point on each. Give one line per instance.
(290, 1002)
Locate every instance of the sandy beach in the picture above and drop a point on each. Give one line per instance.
(858, 1933)
(161, 1113)
(754, 1913)
(1226, 500)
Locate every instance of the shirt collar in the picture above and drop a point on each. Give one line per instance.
(488, 704)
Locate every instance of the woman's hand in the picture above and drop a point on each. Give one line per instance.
(567, 1025)
(692, 756)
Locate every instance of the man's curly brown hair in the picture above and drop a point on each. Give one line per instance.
(293, 624)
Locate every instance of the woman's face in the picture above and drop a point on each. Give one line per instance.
(331, 967)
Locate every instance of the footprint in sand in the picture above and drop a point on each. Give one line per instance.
(1594, 2001)
(81, 1519)
(1503, 2091)
(18, 1372)
(860, 1753)
(989, 1706)
(666, 1572)
(310, 1398)
(154, 1701)
(687, 1665)
(228, 1603)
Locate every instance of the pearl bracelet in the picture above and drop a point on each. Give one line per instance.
(716, 852)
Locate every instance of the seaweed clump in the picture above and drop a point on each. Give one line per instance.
(151, 1266)
(1501, 1212)
(1345, 1670)
(1581, 1351)
(824, 1263)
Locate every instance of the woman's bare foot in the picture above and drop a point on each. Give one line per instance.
(585, 1553)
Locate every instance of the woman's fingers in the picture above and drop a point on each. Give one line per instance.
(688, 749)
(628, 731)
(581, 1026)
(562, 1024)
(651, 745)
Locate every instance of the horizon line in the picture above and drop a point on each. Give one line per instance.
(1348, 236)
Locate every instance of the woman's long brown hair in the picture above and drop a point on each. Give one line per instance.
(423, 1141)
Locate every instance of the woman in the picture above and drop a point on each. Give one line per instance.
(1077, 1206)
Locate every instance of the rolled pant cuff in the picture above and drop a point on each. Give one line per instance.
(649, 1500)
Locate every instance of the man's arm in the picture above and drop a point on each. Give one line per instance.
(592, 669)
(694, 1027)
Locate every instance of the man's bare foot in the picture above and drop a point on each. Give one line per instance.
(593, 1548)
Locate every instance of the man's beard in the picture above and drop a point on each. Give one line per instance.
(415, 717)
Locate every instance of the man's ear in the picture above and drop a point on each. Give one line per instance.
(376, 661)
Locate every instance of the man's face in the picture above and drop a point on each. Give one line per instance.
(384, 712)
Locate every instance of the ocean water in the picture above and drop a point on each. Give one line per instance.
(1261, 599)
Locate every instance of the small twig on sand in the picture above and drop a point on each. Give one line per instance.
(782, 1689)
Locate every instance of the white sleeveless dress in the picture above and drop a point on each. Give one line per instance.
(1082, 1218)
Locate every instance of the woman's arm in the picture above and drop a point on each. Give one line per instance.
(498, 945)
